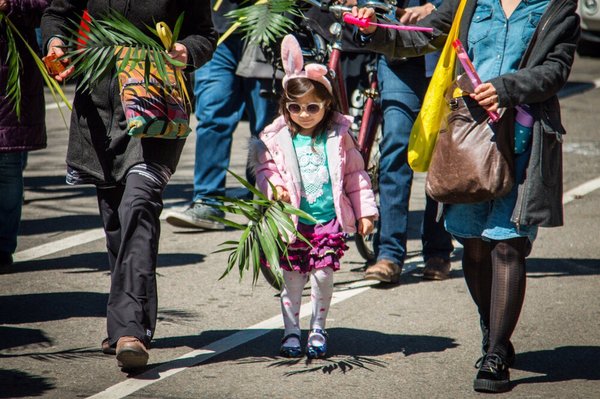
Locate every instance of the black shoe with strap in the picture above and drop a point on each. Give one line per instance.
(290, 351)
(493, 375)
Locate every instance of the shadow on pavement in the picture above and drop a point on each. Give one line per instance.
(564, 363)
(98, 261)
(18, 384)
(541, 267)
(348, 349)
(49, 225)
(30, 308)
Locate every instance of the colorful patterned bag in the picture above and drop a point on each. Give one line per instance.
(156, 110)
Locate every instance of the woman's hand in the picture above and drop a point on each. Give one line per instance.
(55, 47)
(486, 96)
(412, 15)
(365, 225)
(283, 194)
(367, 13)
(179, 53)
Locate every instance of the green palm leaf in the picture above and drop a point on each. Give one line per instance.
(111, 39)
(265, 21)
(264, 236)
(13, 61)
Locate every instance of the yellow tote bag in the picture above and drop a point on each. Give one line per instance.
(434, 109)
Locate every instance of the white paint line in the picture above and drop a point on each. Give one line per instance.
(58, 245)
(581, 88)
(213, 349)
(581, 190)
(55, 106)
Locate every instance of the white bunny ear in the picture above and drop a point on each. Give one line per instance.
(291, 55)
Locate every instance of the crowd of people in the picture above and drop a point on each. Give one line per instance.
(302, 153)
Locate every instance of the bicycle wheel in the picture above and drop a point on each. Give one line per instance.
(268, 275)
(365, 245)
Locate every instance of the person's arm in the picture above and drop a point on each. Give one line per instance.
(397, 44)
(24, 6)
(357, 184)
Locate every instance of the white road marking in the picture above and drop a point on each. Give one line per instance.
(213, 349)
(581, 190)
(58, 245)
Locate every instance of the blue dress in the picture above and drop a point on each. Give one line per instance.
(496, 45)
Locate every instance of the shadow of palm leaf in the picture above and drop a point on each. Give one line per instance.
(69, 354)
(327, 366)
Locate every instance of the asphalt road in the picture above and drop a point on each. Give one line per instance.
(220, 338)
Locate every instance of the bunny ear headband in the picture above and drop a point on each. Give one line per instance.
(291, 56)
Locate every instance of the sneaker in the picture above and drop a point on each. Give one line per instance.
(493, 375)
(197, 215)
(436, 268)
(6, 259)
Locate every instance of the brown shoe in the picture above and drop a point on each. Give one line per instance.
(436, 268)
(385, 271)
(131, 353)
(107, 349)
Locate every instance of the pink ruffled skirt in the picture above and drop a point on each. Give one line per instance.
(328, 246)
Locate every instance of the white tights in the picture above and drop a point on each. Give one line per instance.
(321, 291)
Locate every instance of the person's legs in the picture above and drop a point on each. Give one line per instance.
(401, 89)
(477, 268)
(132, 302)
(436, 241)
(11, 203)
(219, 108)
(291, 300)
(508, 292)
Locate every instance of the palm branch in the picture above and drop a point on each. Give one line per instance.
(14, 63)
(264, 21)
(113, 43)
(263, 237)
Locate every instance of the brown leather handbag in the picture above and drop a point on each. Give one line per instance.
(473, 158)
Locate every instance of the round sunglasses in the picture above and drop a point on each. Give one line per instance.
(310, 108)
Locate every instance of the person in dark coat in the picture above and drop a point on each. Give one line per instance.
(130, 173)
(18, 135)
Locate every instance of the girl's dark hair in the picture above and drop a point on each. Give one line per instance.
(299, 87)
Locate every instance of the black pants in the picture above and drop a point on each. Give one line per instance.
(130, 214)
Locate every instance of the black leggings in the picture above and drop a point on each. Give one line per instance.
(495, 274)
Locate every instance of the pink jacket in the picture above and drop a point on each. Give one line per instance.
(274, 159)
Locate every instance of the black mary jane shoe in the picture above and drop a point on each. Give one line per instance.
(290, 351)
(493, 375)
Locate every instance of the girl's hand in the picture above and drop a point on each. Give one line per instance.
(367, 13)
(283, 194)
(55, 48)
(179, 53)
(486, 96)
(365, 225)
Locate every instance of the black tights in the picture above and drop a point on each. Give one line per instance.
(495, 274)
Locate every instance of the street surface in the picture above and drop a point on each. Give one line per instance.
(220, 338)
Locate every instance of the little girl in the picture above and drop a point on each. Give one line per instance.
(311, 159)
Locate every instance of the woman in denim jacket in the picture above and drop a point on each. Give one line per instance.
(497, 235)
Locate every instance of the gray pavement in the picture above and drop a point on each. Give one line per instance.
(219, 338)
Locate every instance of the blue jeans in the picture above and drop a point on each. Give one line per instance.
(401, 89)
(11, 199)
(221, 98)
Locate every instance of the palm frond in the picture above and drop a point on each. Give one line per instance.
(14, 63)
(114, 43)
(263, 238)
(265, 21)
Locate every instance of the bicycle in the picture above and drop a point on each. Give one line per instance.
(370, 116)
